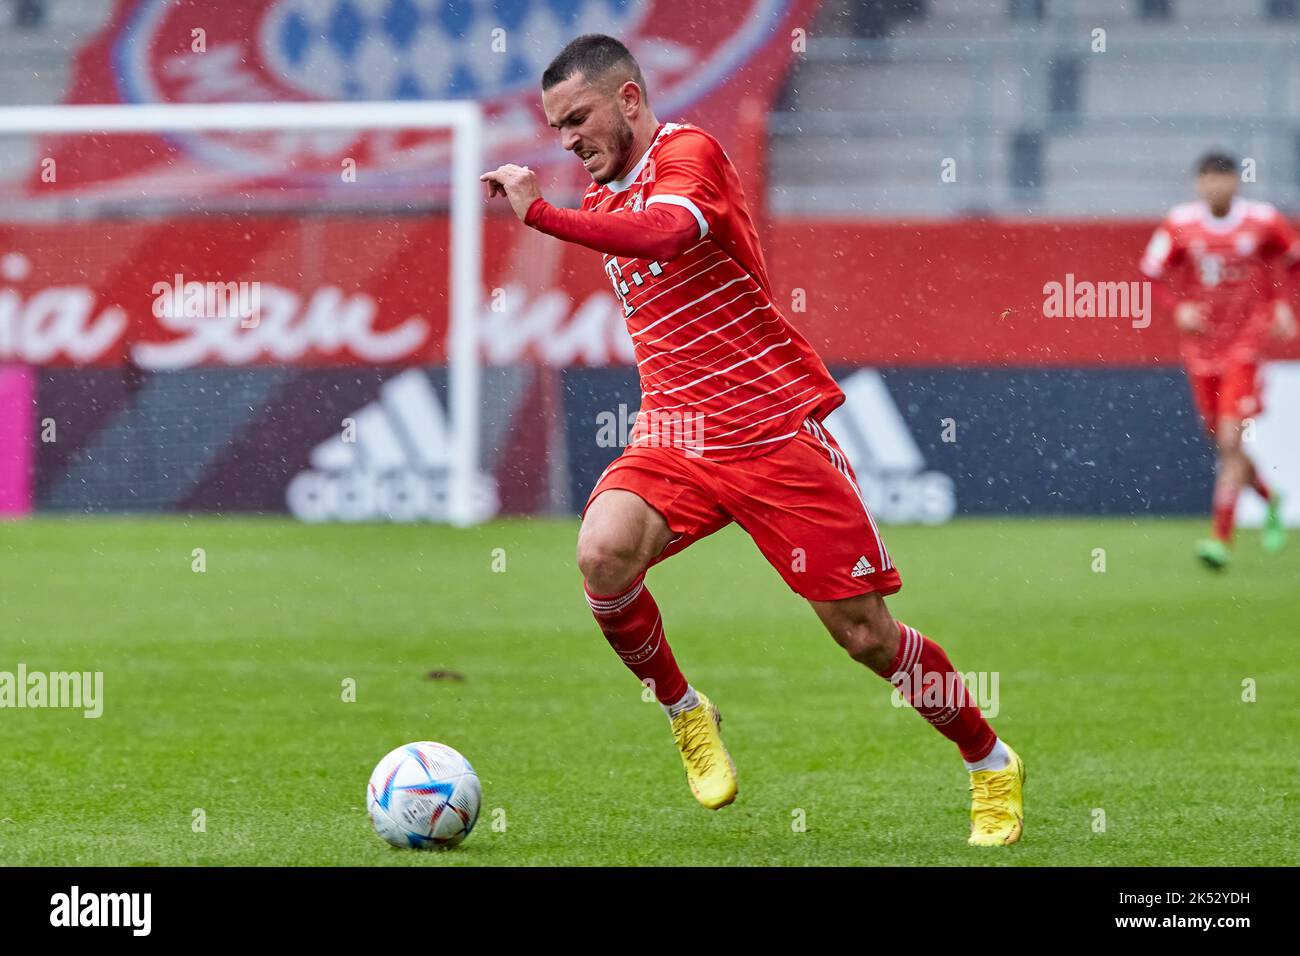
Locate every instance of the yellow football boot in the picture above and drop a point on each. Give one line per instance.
(997, 807)
(709, 769)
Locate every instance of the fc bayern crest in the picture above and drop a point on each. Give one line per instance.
(492, 51)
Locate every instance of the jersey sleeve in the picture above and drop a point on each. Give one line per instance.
(689, 173)
(1283, 240)
(655, 234)
(1162, 252)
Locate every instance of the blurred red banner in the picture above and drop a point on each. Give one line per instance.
(372, 290)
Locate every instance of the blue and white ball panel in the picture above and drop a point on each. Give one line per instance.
(422, 795)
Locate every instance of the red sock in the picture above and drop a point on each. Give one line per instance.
(631, 623)
(1225, 512)
(920, 664)
(1261, 489)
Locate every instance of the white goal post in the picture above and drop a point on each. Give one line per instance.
(463, 117)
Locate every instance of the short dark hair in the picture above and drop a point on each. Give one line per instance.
(593, 55)
(1216, 161)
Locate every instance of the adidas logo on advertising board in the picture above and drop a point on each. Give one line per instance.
(394, 466)
(890, 467)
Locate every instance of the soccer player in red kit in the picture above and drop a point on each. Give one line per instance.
(1215, 264)
(730, 426)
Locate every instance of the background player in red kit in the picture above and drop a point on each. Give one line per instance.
(1215, 262)
(729, 427)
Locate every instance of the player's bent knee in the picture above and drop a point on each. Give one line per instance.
(620, 535)
(606, 567)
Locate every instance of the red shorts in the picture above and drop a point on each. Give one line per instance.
(1235, 391)
(800, 503)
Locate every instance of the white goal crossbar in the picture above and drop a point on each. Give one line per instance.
(463, 117)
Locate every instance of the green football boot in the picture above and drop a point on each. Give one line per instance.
(1273, 537)
(1214, 554)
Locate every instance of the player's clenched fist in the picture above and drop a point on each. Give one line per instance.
(1284, 321)
(1190, 317)
(516, 183)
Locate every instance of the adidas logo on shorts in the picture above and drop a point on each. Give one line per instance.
(862, 568)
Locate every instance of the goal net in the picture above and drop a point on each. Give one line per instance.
(244, 308)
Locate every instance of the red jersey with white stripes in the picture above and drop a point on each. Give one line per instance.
(1229, 264)
(723, 374)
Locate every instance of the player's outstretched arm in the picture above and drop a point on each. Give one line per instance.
(1162, 254)
(1287, 286)
(658, 233)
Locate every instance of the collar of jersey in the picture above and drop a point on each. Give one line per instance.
(621, 185)
(1236, 213)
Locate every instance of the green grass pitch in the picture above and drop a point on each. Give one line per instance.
(224, 693)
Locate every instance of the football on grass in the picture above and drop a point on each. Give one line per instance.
(423, 796)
